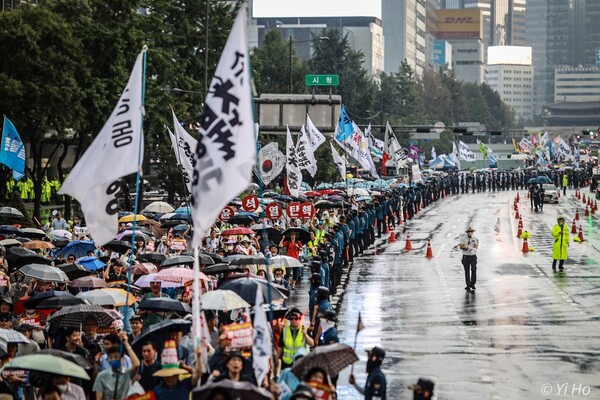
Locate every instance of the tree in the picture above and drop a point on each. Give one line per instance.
(270, 64)
(409, 95)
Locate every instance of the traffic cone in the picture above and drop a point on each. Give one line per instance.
(587, 212)
(408, 245)
(577, 215)
(589, 201)
(515, 206)
(387, 226)
(392, 238)
(580, 233)
(573, 227)
(517, 216)
(593, 210)
(525, 248)
(406, 216)
(583, 198)
(429, 253)
(400, 218)
(520, 231)
(518, 198)
(520, 223)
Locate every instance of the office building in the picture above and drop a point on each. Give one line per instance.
(510, 73)
(576, 84)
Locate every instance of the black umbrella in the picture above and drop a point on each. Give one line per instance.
(179, 260)
(60, 243)
(246, 289)
(158, 333)
(332, 358)
(154, 258)
(60, 301)
(10, 212)
(23, 239)
(302, 234)
(9, 230)
(242, 259)
(215, 257)
(282, 197)
(234, 390)
(162, 304)
(37, 298)
(169, 223)
(75, 315)
(271, 233)
(20, 256)
(73, 271)
(222, 268)
(33, 233)
(119, 246)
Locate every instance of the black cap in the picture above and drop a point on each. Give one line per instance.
(293, 311)
(377, 352)
(422, 385)
(25, 327)
(5, 317)
(235, 354)
(323, 289)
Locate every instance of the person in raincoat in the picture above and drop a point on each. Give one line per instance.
(562, 237)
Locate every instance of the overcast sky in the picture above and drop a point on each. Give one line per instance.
(316, 8)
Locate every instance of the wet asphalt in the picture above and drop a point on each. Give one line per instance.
(525, 333)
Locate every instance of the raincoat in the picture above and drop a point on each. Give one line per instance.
(562, 237)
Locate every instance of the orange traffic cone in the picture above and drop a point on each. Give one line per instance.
(392, 238)
(589, 201)
(593, 210)
(400, 218)
(580, 233)
(406, 216)
(515, 206)
(587, 212)
(518, 198)
(517, 216)
(577, 194)
(577, 215)
(525, 248)
(520, 231)
(583, 198)
(429, 253)
(573, 227)
(408, 246)
(520, 223)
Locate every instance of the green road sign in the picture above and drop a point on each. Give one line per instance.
(322, 80)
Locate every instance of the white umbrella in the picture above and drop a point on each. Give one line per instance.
(107, 297)
(284, 262)
(144, 282)
(159, 207)
(44, 273)
(358, 192)
(61, 233)
(223, 300)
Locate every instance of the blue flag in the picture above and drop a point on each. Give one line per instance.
(12, 153)
(344, 128)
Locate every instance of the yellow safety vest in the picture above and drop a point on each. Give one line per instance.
(291, 345)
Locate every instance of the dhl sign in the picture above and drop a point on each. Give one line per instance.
(455, 24)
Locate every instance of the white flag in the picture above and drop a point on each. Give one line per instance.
(271, 162)
(393, 148)
(226, 150)
(294, 175)
(304, 153)
(339, 162)
(261, 339)
(315, 137)
(357, 146)
(184, 146)
(117, 151)
(544, 139)
(416, 174)
(564, 148)
(454, 156)
(526, 145)
(433, 153)
(464, 153)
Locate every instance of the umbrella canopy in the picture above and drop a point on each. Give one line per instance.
(215, 257)
(177, 260)
(33, 233)
(167, 305)
(127, 236)
(131, 218)
(271, 232)
(183, 210)
(181, 228)
(12, 336)
(332, 357)
(88, 282)
(107, 297)
(9, 230)
(19, 256)
(540, 179)
(153, 227)
(246, 288)
(78, 248)
(44, 273)
(302, 234)
(144, 269)
(91, 263)
(284, 262)
(118, 245)
(179, 275)
(73, 271)
(243, 218)
(242, 259)
(61, 234)
(47, 363)
(154, 258)
(223, 300)
(10, 212)
(76, 358)
(237, 231)
(159, 332)
(38, 245)
(37, 298)
(236, 390)
(10, 243)
(61, 301)
(145, 280)
(358, 192)
(159, 207)
(222, 268)
(75, 315)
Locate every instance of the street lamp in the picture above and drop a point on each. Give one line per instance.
(292, 41)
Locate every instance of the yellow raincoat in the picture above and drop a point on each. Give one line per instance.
(562, 237)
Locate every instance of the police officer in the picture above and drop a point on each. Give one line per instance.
(376, 385)
(469, 245)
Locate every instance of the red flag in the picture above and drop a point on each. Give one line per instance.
(384, 161)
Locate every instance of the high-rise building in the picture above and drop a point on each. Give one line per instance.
(510, 73)
(507, 23)
(576, 84)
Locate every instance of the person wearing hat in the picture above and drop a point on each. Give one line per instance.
(327, 327)
(234, 365)
(246, 247)
(469, 245)
(176, 382)
(562, 238)
(376, 385)
(422, 390)
(293, 338)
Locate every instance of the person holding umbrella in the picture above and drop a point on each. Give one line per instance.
(376, 385)
(293, 248)
(562, 238)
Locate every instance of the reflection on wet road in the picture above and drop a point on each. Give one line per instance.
(523, 328)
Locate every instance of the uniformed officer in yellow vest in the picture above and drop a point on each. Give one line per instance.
(293, 337)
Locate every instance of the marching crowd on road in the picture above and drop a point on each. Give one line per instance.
(131, 328)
